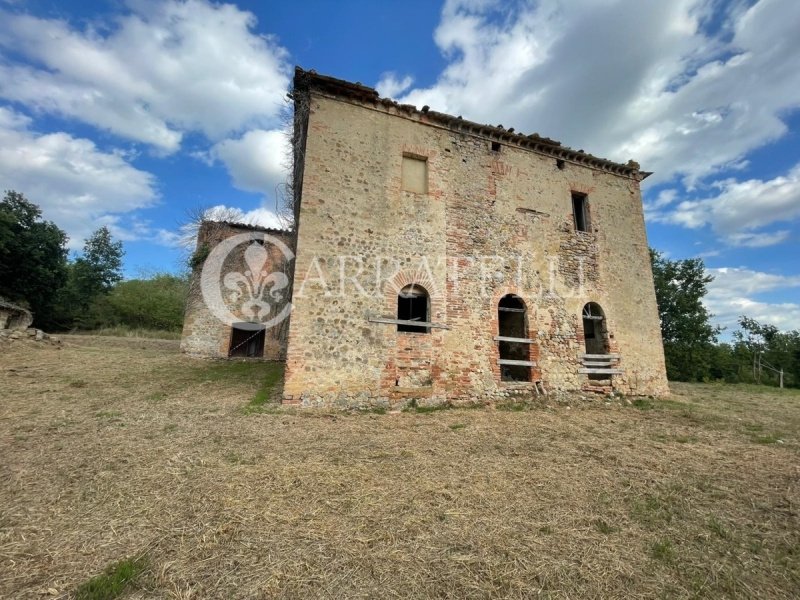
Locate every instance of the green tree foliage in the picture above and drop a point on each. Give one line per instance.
(765, 345)
(100, 266)
(90, 276)
(686, 329)
(33, 257)
(154, 303)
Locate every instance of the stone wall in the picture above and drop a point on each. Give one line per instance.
(206, 334)
(14, 317)
(492, 222)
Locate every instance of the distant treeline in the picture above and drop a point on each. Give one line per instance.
(88, 292)
(691, 346)
(85, 292)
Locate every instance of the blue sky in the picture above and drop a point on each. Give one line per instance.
(134, 114)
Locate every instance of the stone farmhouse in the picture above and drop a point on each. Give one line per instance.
(439, 260)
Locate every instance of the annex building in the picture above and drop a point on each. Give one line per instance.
(439, 260)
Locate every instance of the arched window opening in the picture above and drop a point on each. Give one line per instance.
(594, 329)
(512, 322)
(413, 304)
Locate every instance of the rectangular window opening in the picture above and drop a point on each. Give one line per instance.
(496, 146)
(247, 340)
(414, 176)
(412, 308)
(580, 212)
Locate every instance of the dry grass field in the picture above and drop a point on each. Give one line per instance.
(127, 468)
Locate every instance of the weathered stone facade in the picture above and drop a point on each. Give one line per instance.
(495, 215)
(206, 334)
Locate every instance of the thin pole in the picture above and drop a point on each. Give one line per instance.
(781, 378)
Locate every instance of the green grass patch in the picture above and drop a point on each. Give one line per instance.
(156, 397)
(374, 410)
(716, 527)
(643, 404)
(604, 527)
(133, 332)
(512, 406)
(769, 438)
(457, 426)
(662, 550)
(113, 581)
(108, 414)
(656, 510)
(270, 377)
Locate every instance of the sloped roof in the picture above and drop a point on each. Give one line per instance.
(311, 80)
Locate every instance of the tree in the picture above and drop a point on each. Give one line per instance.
(762, 344)
(154, 303)
(33, 257)
(686, 330)
(100, 266)
(90, 276)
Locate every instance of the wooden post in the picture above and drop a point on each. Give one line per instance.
(781, 378)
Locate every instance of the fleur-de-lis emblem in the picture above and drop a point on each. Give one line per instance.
(254, 283)
(252, 294)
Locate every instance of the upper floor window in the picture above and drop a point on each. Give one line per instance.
(580, 211)
(415, 174)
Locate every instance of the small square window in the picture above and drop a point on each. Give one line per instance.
(580, 212)
(496, 146)
(415, 174)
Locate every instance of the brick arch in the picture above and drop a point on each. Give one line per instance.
(530, 311)
(610, 341)
(419, 277)
(531, 330)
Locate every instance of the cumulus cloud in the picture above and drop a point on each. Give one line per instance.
(258, 161)
(259, 216)
(163, 69)
(738, 208)
(390, 86)
(736, 291)
(625, 79)
(77, 185)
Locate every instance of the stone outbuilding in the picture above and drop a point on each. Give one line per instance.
(441, 260)
(14, 317)
(216, 328)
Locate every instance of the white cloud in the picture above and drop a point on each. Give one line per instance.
(734, 292)
(390, 86)
(741, 206)
(625, 79)
(758, 240)
(77, 185)
(163, 69)
(259, 216)
(257, 162)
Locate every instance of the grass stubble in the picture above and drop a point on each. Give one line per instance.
(127, 466)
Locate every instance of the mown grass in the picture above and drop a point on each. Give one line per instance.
(667, 499)
(132, 332)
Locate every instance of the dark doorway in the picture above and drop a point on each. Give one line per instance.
(247, 340)
(512, 323)
(594, 329)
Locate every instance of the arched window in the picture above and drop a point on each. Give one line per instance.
(512, 322)
(413, 304)
(594, 329)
